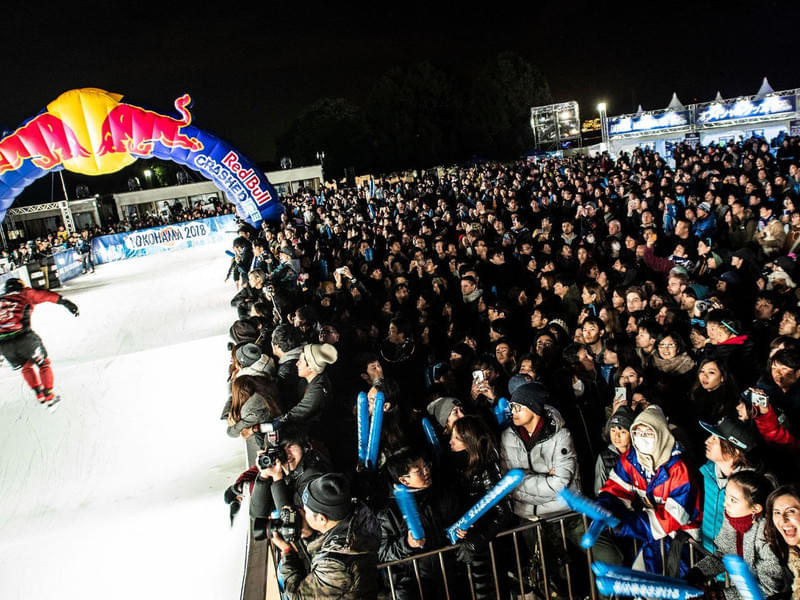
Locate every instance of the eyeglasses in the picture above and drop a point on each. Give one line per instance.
(515, 407)
(426, 468)
(638, 433)
(666, 346)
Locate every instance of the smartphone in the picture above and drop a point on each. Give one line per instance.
(477, 376)
(620, 393)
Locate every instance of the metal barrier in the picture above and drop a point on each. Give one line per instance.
(535, 584)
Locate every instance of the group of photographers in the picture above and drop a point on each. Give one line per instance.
(647, 341)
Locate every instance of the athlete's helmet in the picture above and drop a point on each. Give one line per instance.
(13, 285)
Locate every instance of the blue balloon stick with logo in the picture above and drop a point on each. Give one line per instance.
(601, 569)
(503, 488)
(362, 421)
(742, 577)
(645, 588)
(375, 426)
(430, 434)
(502, 412)
(408, 506)
(601, 517)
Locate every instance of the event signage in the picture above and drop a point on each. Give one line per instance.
(153, 240)
(744, 108)
(68, 264)
(647, 122)
(90, 131)
(794, 127)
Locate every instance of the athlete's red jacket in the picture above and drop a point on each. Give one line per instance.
(16, 309)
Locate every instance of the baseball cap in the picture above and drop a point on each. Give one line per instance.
(733, 431)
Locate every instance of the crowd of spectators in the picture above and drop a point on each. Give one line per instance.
(23, 252)
(642, 319)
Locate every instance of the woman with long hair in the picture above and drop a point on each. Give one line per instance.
(476, 447)
(254, 401)
(783, 529)
(713, 396)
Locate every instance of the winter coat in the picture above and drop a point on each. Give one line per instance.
(254, 411)
(268, 495)
(500, 517)
(344, 562)
(244, 300)
(312, 409)
(537, 495)
(437, 511)
(738, 354)
(713, 503)
(772, 238)
(670, 502)
(741, 232)
(762, 561)
(290, 385)
(606, 461)
(774, 432)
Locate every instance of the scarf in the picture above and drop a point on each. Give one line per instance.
(680, 364)
(741, 525)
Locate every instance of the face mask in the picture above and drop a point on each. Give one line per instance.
(578, 388)
(644, 445)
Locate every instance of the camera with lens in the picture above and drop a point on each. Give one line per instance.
(273, 454)
(286, 523)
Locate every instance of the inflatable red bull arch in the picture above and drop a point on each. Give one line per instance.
(90, 131)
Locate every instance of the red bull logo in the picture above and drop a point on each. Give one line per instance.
(132, 129)
(46, 140)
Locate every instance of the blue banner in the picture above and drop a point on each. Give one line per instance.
(647, 122)
(68, 264)
(144, 242)
(744, 108)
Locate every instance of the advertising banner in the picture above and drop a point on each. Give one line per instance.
(68, 264)
(744, 108)
(647, 122)
(144, 242)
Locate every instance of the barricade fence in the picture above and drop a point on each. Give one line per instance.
(541, 568)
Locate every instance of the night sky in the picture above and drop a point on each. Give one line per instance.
(251, 70)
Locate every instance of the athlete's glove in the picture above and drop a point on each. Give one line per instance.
(70, 306)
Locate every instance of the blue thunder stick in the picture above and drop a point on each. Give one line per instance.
(375, 431)
(645, 588)
(408, 506)
(503, 488)
(502, 411)
(362, 420)
(742, 577)
(601, 517)
(431, 435)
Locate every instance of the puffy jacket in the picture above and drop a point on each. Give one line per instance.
(606, 461)
(437, 510)
(344, 562)
(290, 386)
(756, 553)
(772, 237)
(310, 412)
(669, 502)
(537, 496)
(713, 504)
(774, 433)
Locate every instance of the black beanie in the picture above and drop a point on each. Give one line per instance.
(531, 395)
(329, 495)
(248, 355)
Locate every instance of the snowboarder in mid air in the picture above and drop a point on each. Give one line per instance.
(20, 345)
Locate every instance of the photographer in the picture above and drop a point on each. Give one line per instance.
(284, 471)
(344, 557)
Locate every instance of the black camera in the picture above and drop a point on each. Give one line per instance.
(272, 455)
(286, 523)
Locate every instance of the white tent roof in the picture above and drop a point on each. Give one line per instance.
(765, 89)
(639, 110)
(675, 104)
(718, 97)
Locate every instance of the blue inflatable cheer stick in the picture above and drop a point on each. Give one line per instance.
(229, 253)
(408, 506)
(742, 577)
(362, 421)
(375, 431)
(502, 412)
(645, 588)
(427, 426)
(609, 571)
(503, 488)
(601, 517)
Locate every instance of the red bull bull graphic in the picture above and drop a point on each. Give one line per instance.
(91, 131)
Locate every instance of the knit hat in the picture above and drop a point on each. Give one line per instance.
(622, 418)
(248, 354)
(517, 381)
(531, 395)
(244, 330)
(319, 355)
(441, 408)
(287, 250)
(704, 206)
(329, 495)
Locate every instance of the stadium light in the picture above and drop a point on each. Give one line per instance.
(601, 108)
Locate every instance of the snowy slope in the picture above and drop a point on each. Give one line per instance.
(118, 494)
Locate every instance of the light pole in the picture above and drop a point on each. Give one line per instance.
(148, 174)
(601, 108)
(321, 159)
